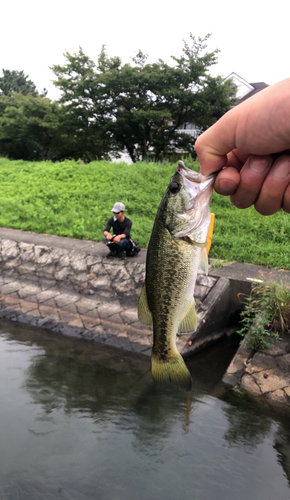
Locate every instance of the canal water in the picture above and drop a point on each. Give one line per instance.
(80, 421)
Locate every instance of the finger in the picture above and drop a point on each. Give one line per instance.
(211, 148)
(236, 159)
(252, 175)
(286, 200)
(260, 125)
(227, 181)
(270, 199)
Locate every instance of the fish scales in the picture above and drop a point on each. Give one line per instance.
(173, 258)
(168, 279)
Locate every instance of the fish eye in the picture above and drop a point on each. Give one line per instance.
(174, 187)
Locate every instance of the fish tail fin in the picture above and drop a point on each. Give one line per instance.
(173, 370)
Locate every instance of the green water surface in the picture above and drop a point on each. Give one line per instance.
(80, 421)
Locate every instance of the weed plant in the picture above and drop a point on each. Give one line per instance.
(74, 200)
(266, 315)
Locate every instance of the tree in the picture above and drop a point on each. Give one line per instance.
(16, 81)
(29, 127)
(141, 106)
(34, 128)
(78, 137)
(82, 124)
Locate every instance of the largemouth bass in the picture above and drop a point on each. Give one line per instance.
(175, 251)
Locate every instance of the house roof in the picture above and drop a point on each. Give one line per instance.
(257, 87)
(244, 89)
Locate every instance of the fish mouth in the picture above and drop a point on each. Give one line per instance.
(201, 188)
(192, 176)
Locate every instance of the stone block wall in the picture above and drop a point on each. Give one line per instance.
(80, 272)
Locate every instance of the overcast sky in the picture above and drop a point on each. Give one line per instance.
(253, 36)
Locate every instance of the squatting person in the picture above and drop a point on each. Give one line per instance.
(121, 231)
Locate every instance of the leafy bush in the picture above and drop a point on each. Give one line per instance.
(267, 314)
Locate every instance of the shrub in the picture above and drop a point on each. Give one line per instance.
(266, 315)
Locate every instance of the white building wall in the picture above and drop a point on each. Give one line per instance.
(242, 86)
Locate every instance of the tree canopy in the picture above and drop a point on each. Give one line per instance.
(28, 126)
(141, 106)
(107, 107)
(34, 128)
(17, 81)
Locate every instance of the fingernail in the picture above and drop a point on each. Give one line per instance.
(258, 165)
(281, 169)
(227, 185)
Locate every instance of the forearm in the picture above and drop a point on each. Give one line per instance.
(120, 237)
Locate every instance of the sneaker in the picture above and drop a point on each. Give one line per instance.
(111, 254)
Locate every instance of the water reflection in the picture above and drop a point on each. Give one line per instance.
(247, 426)
(83, 421)
(77, 376)
(281, 445)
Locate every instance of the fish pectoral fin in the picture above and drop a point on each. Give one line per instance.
(144, 313)
(189, 321)
(204, 261)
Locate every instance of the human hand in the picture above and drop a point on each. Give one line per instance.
(117, 239)
(251, 143)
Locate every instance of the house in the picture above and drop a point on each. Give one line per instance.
(244, 90)
(189, 129)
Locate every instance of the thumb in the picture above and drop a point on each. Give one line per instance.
(215, 143)
(210, 157)
(259, 126)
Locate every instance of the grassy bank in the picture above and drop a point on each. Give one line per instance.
(69, 199)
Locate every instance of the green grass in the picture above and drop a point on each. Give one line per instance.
(69, 199)
(246, 236)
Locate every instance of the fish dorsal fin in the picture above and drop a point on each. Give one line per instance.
(204, 260)
(144, 313)
(188, 322)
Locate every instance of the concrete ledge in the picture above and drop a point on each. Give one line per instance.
(236, 370)
(241, 276)
(212, 318)
(264, 374)
(68, 321)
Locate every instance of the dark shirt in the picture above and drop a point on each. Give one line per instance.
(119, 227)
